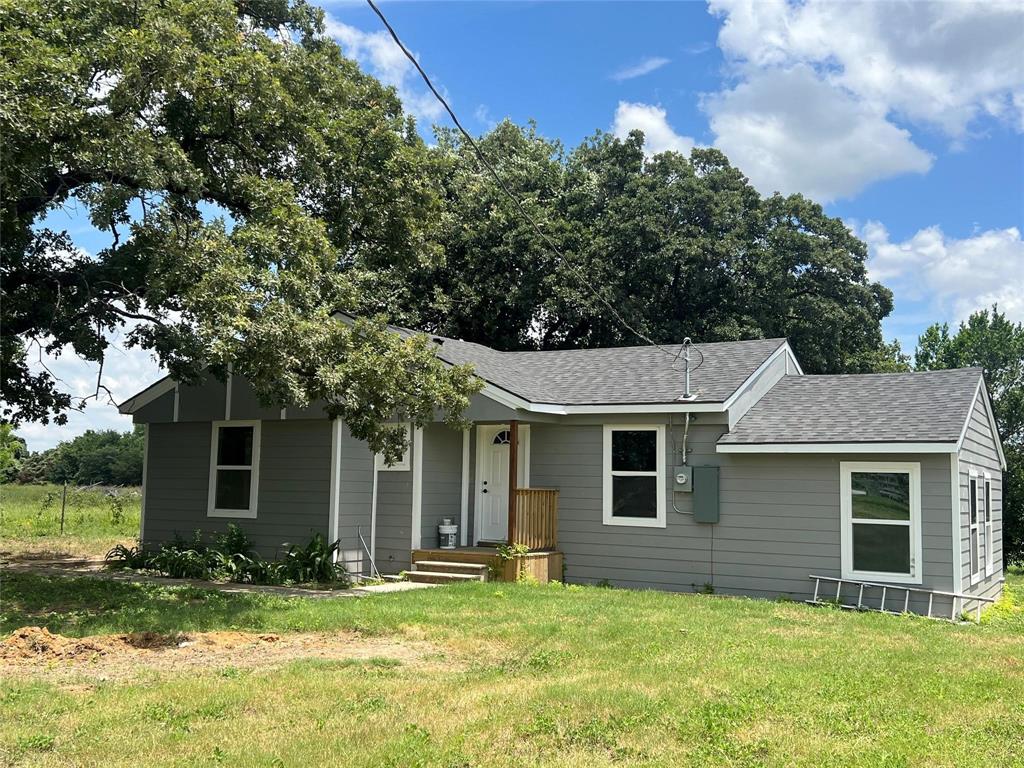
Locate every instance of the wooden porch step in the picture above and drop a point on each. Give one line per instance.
(450, 566)
(434, 577)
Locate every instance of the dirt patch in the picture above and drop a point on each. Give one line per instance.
(35, 650)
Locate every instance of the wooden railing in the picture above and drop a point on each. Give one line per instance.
(536, 523)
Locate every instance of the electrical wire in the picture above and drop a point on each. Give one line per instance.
(504, 188)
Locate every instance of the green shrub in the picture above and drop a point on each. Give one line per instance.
(313, 562)
(232, 557)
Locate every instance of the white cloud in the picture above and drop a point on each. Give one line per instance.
(125, 372)
(789, 131)
(820, 86)
(379, 54)
(957, 276)
(653, 121)
(943, 63)
(645, 67)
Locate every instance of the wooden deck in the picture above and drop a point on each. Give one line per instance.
(542, 566)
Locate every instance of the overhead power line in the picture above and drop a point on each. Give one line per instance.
(508, 192)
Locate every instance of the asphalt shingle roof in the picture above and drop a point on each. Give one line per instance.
(615, 375)
(920, 407)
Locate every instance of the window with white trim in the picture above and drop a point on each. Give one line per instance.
(976, 505)
(634, 475)
(880, 504)
(402, 465)
(989, 545)
(234, 469)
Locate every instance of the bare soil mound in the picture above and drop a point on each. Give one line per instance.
(35, 650)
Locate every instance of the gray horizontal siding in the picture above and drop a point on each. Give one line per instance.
(442, 480)
(294, 484)
(394, 518)
(780, 518)
(979, 452)
(354, 500)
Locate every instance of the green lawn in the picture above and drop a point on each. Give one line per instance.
(93, 520)
(531, 675)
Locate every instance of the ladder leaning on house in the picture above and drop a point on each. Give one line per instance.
(957, 598)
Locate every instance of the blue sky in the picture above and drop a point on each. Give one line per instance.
(904, 119)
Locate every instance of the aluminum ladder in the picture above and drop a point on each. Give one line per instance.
(958, 598)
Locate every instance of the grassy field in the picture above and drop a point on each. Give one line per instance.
(93, 521)
(521, 675)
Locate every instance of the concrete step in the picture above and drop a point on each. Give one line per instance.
(433, 577)
(450, 566)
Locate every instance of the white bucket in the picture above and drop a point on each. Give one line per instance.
(447, 535)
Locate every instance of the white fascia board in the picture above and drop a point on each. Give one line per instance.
(506, 398)
(752, 378)
(146, 396)
(836, 448)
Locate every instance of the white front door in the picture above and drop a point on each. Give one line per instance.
(492, 479)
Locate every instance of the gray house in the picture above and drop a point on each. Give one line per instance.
(603, 462)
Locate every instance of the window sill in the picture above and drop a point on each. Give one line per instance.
(635, 522)
(883, 578)
(249, 514)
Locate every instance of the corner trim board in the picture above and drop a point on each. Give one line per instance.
(145, 468)
(335, 497)
(464, 500)
(417, 487)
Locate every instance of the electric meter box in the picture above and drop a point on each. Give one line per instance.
(683, 478)
(705, 494)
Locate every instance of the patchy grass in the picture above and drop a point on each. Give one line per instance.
(566, 676)
(94, 520)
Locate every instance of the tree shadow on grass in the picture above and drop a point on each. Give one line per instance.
(87, 606)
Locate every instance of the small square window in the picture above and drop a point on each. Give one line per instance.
(402, 465)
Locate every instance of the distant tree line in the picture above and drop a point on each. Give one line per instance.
(105, 457)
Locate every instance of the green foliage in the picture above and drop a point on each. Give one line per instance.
(231, 557)
(250, 180)
(99, 457)
(13, 451)
(508, 552)
(312, 563)
(681, 246)
(987, 339)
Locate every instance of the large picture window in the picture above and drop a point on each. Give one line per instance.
(881, 511)
(234, 469)
(634, 475)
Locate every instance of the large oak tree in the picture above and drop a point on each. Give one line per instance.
(681, 246)
(249, 179)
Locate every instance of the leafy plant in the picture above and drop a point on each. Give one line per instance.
(127, 557)
(313, 562)
(232, 557)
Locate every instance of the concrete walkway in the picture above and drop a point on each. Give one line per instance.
(94, 568)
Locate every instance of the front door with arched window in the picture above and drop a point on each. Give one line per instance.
(492, 478)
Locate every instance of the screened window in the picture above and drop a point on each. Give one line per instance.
(881, 528)
(634, 475)
(234, 469)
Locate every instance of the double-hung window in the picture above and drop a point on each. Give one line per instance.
(634, 475)
(978, 506)
(234, 469)
(989, 546)
(880, 504)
